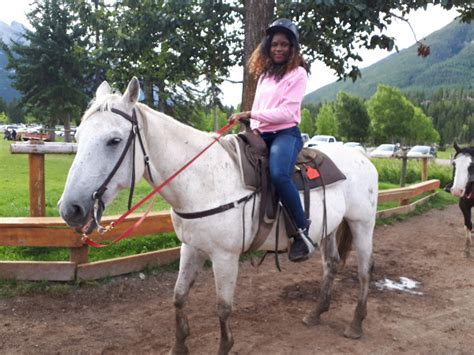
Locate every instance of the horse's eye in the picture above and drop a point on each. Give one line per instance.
(114, 141)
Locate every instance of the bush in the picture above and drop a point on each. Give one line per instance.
(389, 171)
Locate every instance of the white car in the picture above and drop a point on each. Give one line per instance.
(385, 151)
(355, 145)
(320, 140)
(421, 151)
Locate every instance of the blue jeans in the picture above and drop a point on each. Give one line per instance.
(284, 146)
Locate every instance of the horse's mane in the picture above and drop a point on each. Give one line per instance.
(106, 102)
(102, 103)
(467, 150)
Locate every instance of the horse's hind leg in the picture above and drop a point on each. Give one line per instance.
(190, 264)
(467, 247)
(225, 267)
(362, 241)
(330, 258)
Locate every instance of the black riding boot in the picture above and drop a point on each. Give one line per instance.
(300, 249)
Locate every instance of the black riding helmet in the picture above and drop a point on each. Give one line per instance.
(283, 25)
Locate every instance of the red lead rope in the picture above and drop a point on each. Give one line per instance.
(157, 189)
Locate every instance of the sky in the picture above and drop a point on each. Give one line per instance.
(423, 23)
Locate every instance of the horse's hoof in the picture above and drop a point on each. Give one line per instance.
(179, 350)
(311, 320)
(351, 333)
(467, 254)
(224, 349)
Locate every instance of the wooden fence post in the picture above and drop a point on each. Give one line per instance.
(403, 172)
(36, 183)
(424, 170)
(79, 255)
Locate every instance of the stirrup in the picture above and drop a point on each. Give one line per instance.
(309, 243)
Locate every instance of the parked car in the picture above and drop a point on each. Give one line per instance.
(422, 151)
(320, 140)
(355, 145)
(385, 151)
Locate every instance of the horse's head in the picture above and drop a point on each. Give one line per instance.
(463, 171)
(103, 164)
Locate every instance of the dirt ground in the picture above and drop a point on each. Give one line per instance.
(133, 316)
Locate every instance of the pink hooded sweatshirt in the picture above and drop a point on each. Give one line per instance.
(277, 105)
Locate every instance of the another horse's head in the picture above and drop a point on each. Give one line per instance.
(102, 139)
(463, 166)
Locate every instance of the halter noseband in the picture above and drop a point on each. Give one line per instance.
(134, 132)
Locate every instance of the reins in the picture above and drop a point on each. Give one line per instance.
(97, 195)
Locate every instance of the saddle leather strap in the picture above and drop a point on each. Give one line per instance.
(212, 211)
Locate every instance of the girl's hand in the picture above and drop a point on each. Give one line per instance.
(239, 116)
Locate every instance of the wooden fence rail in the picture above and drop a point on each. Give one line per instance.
(52, 232)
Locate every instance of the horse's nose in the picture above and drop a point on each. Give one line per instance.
(458, 192)
(74, 214)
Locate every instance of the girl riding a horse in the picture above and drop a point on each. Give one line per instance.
(275, 115)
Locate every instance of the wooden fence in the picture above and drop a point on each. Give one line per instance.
(52, 232)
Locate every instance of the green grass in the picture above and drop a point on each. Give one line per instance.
(445, 154)
(389, 171)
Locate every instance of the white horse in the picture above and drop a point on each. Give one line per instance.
(463, 184)
(211, 181)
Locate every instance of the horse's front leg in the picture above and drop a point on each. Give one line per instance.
(225, 267)
(191, 262)
(465, 206)
(330, 258)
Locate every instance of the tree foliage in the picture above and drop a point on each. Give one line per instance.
(4, 118)
(181, 51)
(326, 121)
(352, 117)
(48, 67)
(390, 113)
(452, 110)
(334, 31)
(395, 119)
(307, 122)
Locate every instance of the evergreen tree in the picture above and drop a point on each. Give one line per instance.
(49, 66)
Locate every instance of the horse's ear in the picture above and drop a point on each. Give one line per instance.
(103, 89)
(133, 91)
(456, 147)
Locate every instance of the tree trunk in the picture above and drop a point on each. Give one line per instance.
(258, 15)
(148, 91)
(67, 127)
(97, 70)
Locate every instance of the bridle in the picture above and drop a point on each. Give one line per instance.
(134, 132)
(97, 195)
(470, 177)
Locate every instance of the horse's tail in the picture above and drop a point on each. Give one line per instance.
(343, 240)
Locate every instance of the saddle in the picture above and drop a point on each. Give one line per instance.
(313, 169)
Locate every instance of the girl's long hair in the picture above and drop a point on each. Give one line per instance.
(260, 62)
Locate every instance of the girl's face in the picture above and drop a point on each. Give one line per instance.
(280, 48)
